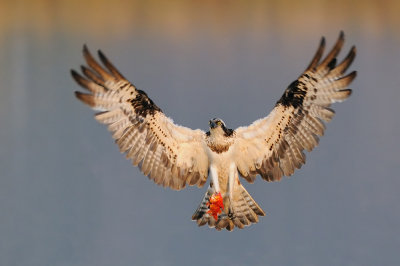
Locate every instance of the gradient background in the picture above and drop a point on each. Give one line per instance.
(67, 197)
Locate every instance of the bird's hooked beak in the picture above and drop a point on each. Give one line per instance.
(212, 124)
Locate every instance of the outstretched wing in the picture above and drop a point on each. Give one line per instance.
(169, 154)
(273, 146)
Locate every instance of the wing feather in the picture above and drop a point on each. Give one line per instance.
(330, 60)
(317, 55)
(274, 146)
(343, 66)
(169, 154)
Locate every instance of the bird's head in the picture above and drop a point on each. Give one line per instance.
(216, 123)
(217, 126)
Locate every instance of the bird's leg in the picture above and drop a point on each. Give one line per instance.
(214, 178)
(231, 183)
(215, 203)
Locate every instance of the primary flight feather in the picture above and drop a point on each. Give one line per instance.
(173, 155)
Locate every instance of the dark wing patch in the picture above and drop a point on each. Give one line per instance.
(144, 105)
(294, 94)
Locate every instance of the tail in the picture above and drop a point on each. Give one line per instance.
(243, 211)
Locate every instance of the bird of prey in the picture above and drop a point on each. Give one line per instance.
(173, 155)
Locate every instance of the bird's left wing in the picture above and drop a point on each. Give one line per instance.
(273, 146)
(169, 154)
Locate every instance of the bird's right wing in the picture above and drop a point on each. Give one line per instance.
(273, 146)
(169, 154)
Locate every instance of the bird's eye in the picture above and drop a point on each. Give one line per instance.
(219, 123)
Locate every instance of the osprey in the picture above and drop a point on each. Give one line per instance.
(173, 155)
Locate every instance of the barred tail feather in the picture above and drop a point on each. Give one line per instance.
(244, 211)
(201, 215)
(251, 203)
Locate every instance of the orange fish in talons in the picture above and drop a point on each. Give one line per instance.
(215, 205)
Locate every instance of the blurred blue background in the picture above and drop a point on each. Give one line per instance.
(68, 197)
